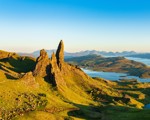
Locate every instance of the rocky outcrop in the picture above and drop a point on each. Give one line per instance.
(53, 69)
(4, 54)
(62, 73)
(57, 72)
(60, 54)
(50, 68)
(56, 76)
(42, 68)
(29, 80)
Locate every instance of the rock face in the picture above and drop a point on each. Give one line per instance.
(50, 68)
(56, 64)
(55, 74)
(60, 53)
(42, 65)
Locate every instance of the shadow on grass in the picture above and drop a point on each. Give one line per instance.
(125, 113)
(86, 112)
(20, 65)
(8, 76)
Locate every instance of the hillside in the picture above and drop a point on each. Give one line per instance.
(51, 89)
(112, 64)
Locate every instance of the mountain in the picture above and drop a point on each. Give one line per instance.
(83, 53)
(51, 89)
(112, 64)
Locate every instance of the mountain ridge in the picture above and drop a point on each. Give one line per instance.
(82, 53)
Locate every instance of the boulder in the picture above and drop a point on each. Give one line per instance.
(29, 80)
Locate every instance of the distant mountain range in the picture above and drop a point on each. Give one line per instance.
(84, 53)
(93, 52)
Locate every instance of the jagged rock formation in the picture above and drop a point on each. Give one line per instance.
(60, 54)
(58, 72)
(50, 68)
(55, 75)
(42, 65)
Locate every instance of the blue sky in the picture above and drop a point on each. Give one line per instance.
(111, 25)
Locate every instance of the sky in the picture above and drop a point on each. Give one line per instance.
(105, 25)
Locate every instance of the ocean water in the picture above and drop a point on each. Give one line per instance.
(142, 60)
(147, 106)
(117, 76)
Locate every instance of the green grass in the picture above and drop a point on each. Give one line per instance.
(124, 113)
(83, 98)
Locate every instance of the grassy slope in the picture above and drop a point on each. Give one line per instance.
(93, 99)
(12, 91)
(18, 64)
(14, 94)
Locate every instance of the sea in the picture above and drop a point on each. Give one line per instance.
(118, 76)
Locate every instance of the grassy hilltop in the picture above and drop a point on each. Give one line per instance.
(51, 89)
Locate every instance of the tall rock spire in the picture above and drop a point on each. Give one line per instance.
(56, 76)
(60, 53)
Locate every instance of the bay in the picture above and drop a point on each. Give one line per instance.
(117, 76)
(113, 76)
(142, 60)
